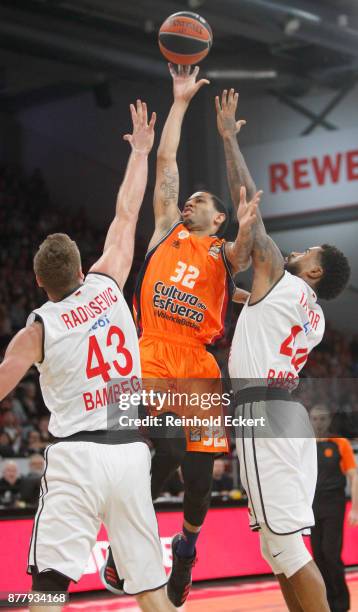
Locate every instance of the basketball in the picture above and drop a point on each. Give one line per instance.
(185, 38)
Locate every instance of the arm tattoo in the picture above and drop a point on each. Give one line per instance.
(237, 171)
(169, 187)
(239, 252)
(258, 244)
(265, 250)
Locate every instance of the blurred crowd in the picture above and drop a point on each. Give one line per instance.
(27, 215)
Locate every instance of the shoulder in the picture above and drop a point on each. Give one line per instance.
(100, 279)
(342, 443)
(159, 237)
(294, 281)
(28, 343)
(344, 446)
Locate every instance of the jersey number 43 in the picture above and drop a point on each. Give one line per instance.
(115, 337)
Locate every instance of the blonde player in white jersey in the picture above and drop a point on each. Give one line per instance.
(279, 325)
(80, 340)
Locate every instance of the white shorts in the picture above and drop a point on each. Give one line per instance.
(286, 554)
(84, 484)
(278, 473)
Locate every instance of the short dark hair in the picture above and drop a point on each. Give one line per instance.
(222, 208)
(57, 263)
(336, 272)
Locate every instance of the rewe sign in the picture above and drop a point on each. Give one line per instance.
(306, 174)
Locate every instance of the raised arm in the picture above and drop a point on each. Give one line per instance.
(267, 259)
(117, 257)
(24, 350)
(166, 193)
(239, 252)
(237, 171)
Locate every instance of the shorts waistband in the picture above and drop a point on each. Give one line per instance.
(261, 394)
(104, 436)
(170, 338)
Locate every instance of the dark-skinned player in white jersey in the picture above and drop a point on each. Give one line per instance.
(279, 325)
(82, 339)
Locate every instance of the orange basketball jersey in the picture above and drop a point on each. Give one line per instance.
(184, 288)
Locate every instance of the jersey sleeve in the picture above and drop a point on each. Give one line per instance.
(348, 461)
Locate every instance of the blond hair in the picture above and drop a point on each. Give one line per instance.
(57, 264)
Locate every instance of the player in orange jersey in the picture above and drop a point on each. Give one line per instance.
(181, 302)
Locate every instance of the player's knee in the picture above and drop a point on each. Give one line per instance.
(198, 488)
(169, 441)
(287, 553)
(50, 580)
(176, 451)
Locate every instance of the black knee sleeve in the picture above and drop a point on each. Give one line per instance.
(49, 580)
(170, 446)
(198, 477)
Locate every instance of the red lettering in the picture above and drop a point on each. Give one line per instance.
(107, 395)
(303, 297)
(67, 320)
(87, 398)
(328, 168)
(121, 350)
(106, 298)
(271, 377)
(113, 297)
(135, 382)
(116, 393)
(316, 321)
(299, 173)
(100, 303)
(125, 387)
(94, 307)
(83, 315)
(99, 403)
(102, 367)
(278, 174)
(298, 360)
(285, 348)
(352, 165)
(89, 312)
(75, 318)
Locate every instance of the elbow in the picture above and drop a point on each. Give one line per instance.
(127, 213)
(163, 156)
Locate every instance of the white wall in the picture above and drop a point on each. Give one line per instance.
(269, 120)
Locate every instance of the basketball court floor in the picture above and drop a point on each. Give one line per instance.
(260, 596)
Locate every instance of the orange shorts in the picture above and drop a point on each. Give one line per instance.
(183, 366)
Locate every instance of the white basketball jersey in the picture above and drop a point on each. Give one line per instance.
(89, 340)
(274, 336)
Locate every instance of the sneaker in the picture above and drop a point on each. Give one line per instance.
(179, 582)
(109, 576)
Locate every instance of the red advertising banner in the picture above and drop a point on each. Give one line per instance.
(226, 548)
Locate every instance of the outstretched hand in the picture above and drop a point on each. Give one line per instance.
(185, 85)
(225, 114)
(142, 138)
(246, 213)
